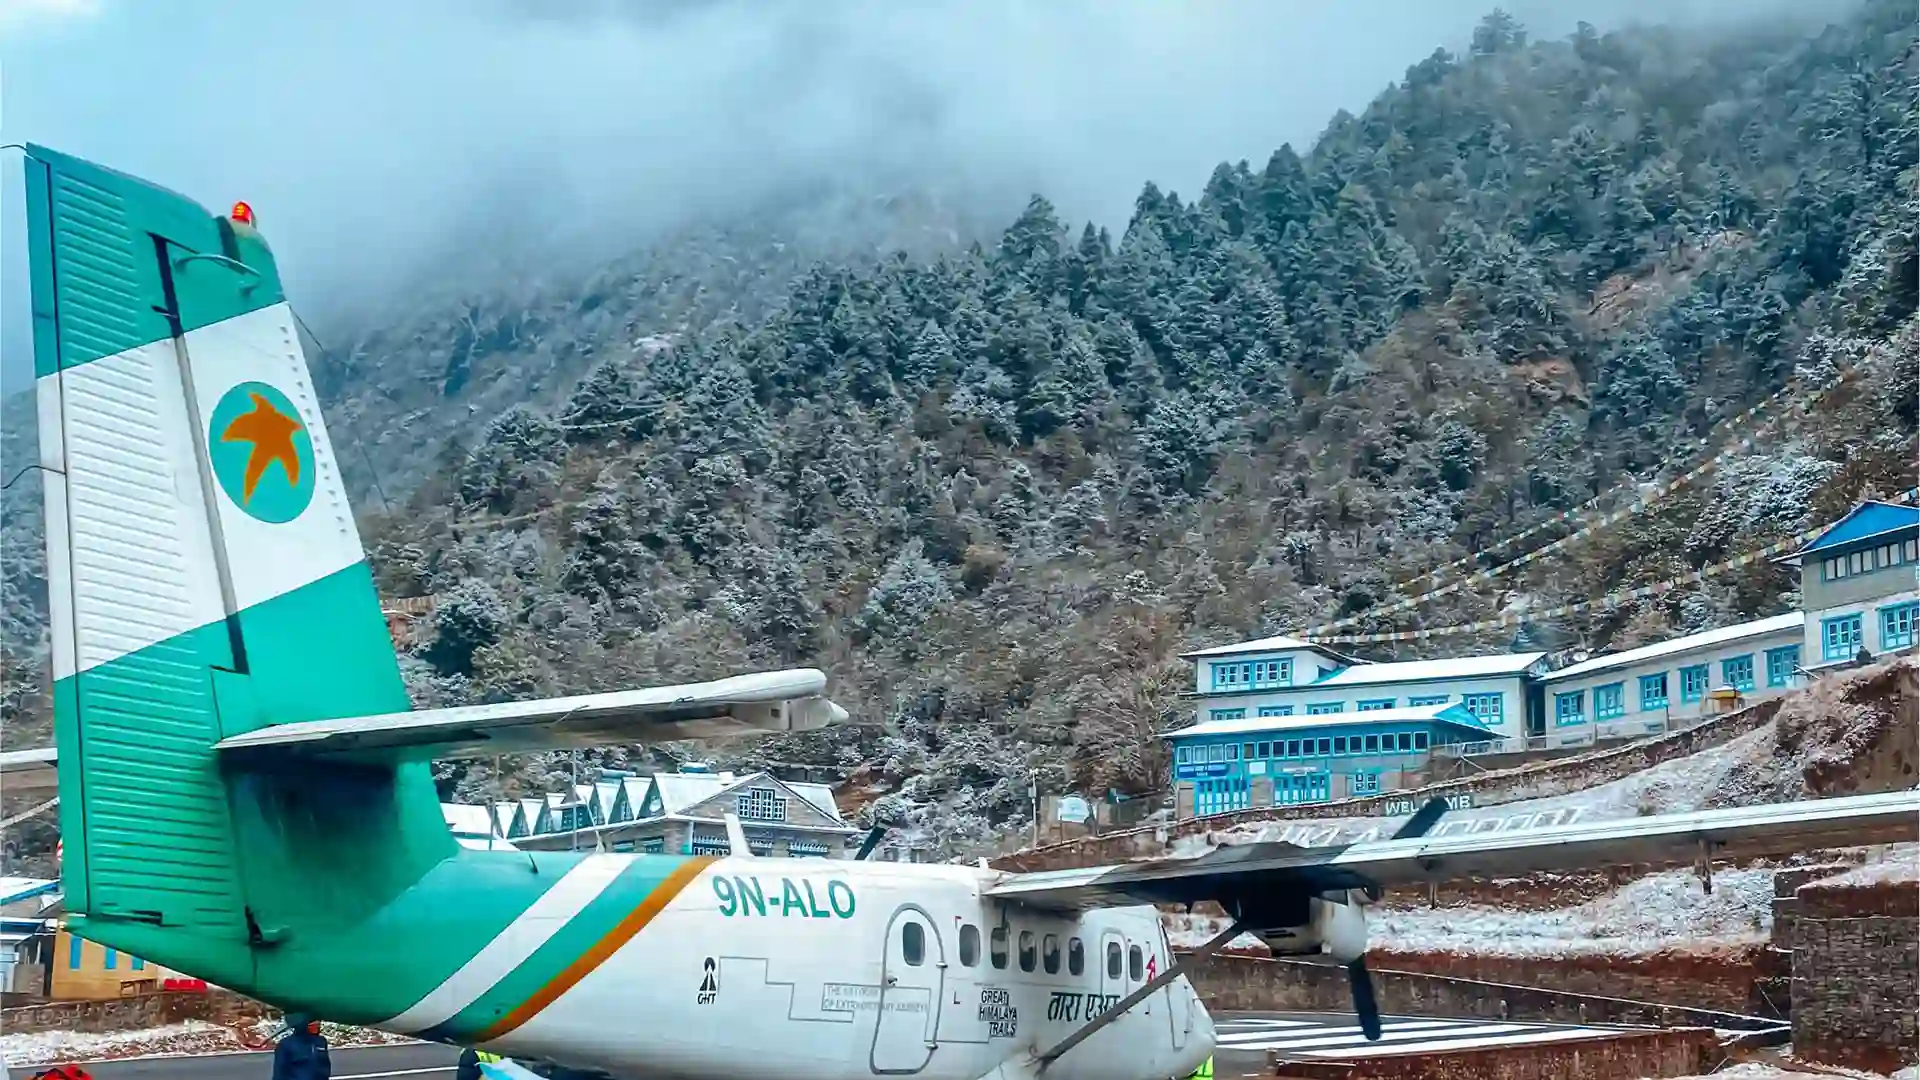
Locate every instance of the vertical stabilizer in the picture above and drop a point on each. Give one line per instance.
(205, 571)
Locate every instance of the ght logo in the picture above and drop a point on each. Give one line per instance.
(262, 454)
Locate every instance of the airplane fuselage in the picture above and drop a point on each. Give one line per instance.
(814, 969)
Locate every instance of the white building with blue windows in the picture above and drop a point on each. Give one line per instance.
(1860, 585)
(1284, 676)
(1280, 720)
(1670, 683)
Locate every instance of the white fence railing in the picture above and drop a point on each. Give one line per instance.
(1584, 735)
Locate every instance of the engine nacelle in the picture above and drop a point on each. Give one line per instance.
(1335, 925)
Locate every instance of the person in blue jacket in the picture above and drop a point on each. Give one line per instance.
(302, 1054)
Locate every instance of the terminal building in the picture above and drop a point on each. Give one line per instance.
(1280, 720)
(1277, 760)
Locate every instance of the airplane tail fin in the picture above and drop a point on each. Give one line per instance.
(205, 575)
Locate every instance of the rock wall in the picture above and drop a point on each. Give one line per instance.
(1856, 966)
(1247, 983)
(1721, 979)
(133, 1013)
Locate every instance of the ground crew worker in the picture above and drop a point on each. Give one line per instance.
(302, 1054)
(1205, 1071)
(470, 1059)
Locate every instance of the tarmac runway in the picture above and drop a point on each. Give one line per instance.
(426, 1061)
(1245, 1041)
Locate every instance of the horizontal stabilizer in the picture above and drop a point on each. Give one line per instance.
(29, 770)
(1661, 840)
(762, 703)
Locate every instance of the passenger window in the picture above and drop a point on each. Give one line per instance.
(1026, 950)
(969, 945)
(1135, 967)
(1000, 946)
(913, 943)
(1050, 954)
(1076, 957)
(1113, 959)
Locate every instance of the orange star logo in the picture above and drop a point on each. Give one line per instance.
(271, 433)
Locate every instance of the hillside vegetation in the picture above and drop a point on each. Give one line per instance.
(994, 491)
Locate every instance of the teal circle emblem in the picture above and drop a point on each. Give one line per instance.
(262, 453)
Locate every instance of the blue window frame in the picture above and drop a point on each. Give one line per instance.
(1780, 665)
(1427, 699)
(1737, 671)
(1486, 708)
(1325, 708)
(74, 947)
(1896, 625)
(1840, 638)
(139, 964)
(112, 961)
(1228, 714)
(1653, 691)
(1419, 740)
(1230, 676)
(1609, 701)
(1375, 704)
(1367, 782)
(1570, 708)
(1693, 682)
(1272, 673)
(1276, 710)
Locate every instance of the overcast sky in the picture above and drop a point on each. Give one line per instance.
(374, 136)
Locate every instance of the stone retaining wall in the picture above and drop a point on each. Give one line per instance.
(1720, 979)
(1232, 983)
(1856, 965)
(133, 1013)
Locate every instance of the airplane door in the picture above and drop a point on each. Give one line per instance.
(912, 982)
(1179, 1000)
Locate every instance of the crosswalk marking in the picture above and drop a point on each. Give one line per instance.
(1421, 1028)
(1339, 1038)
(1559, 1035)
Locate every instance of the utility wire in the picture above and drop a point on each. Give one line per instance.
(378, 488)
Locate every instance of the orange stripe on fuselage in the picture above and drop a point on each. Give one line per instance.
(623, 931)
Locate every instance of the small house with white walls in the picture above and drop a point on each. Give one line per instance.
(1860, 586)
(1674, 683)
(685, 813)
(1285, 676)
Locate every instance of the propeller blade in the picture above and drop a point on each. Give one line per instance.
(1364, 1005)
(872, 841)
(1423, 819)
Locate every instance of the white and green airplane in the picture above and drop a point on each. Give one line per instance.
(245, 794)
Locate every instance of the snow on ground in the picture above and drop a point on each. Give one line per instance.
(1753, 1070)
(189, 1037)
(1658, 910)
(1901, 864)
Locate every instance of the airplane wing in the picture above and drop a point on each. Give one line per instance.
(1231, 873)
(743, 705)
(1299, 900)
(29, 770)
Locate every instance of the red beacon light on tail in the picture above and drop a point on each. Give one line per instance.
(242, 213)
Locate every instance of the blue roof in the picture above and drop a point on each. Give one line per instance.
(1869, 519)
(1453, 716)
